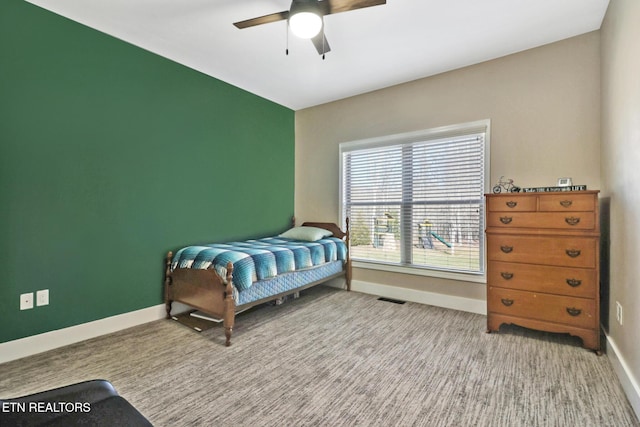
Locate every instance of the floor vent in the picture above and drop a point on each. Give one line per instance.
(395, 301)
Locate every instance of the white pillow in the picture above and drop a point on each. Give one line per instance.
(310, 234)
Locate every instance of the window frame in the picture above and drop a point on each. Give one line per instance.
(424, 135)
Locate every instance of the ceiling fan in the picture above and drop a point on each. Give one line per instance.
(305, 18)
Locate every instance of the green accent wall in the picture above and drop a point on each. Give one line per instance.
(110, 156)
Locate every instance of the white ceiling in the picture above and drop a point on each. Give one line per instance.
(372, 48)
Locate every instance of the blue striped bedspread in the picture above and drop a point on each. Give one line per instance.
(261, 259)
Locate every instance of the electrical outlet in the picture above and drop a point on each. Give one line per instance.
(26, 301)
(42, 297)
(619, 312)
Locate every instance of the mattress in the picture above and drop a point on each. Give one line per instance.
(260, 260)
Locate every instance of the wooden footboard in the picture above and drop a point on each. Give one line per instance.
(206, 291)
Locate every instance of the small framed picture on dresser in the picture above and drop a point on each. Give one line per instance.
(564, 182)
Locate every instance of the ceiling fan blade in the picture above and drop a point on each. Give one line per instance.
(321, 43)
(274, 17)
(337, 6)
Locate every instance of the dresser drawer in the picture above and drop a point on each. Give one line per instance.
(557, 220)
(558, 251)
(580, 312)
(508, 203)
(577, 282)
(567, 202)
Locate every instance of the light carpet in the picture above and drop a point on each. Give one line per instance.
(337, 358)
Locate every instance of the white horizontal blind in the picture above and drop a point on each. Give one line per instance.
(418, 203)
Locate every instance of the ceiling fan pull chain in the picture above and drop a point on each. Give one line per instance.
(324, 48)
(287, 49)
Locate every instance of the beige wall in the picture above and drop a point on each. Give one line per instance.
(544, 106)
(621, 174)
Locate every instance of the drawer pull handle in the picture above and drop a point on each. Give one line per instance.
(505, 219)
(573, 311)
(507, 302)
(574, 282)
(512, 204)
(566, 203)
(506, 276)
(573, 253)
(506, 249)
(572, 220)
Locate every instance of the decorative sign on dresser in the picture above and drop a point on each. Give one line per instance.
(543, 263)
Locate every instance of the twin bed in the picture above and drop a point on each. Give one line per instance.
(223, 279)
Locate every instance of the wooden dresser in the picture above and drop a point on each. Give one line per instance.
(543, 263)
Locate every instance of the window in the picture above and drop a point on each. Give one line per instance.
(416, 201)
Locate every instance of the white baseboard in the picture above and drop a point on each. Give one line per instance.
(423, 297)
(621, 368)
(28, 346)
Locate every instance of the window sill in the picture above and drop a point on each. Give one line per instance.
(452, 275)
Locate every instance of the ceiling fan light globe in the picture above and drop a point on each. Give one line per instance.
(305, 25)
